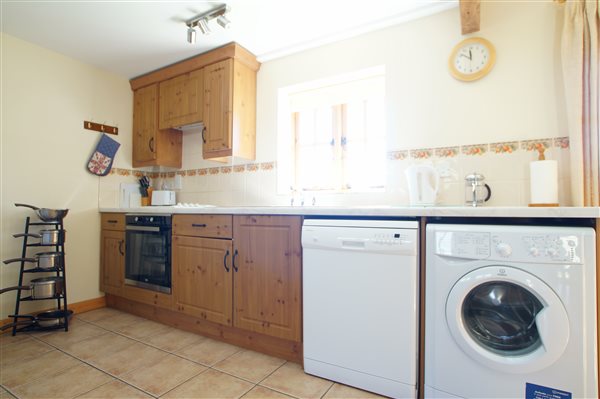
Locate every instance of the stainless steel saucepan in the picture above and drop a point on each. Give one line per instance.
(47, 237)
(44, 260)
(46, 214)
(41, 288)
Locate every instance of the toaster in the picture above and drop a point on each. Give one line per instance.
(163, 197)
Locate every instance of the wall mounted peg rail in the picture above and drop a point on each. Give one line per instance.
(99, 127)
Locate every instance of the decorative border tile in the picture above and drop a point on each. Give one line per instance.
(397, 155)
(225, 169)
(252, 167)
(267, 166)
(533, 145)
(191, 172)
(202, 172)
(562, 142)
(180, 173)
(213, 171)
(504, 148)
(239, 168)
(447, 152)
(421, 153)
(475, 149)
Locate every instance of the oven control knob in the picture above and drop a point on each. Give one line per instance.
(137, 219)
(504, 249)
(151, 219)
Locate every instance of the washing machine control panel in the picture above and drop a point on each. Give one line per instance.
(539, 248)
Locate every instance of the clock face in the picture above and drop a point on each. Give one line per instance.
(472, 59)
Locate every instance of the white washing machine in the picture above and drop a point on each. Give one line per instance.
(510, 312)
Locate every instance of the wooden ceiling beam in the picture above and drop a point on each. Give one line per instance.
(469, 16)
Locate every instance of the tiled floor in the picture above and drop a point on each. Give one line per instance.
(111, 354)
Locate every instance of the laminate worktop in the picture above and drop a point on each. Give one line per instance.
(375, 211)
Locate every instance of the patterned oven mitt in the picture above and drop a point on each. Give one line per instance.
(101, 160)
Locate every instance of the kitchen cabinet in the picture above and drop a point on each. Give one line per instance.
(252, 282)
(180, 101)
(112, 252)
(152, 146)
(229, 114)
(202, 267)
(267, 283)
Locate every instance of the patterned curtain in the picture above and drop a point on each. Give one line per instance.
(580, 71)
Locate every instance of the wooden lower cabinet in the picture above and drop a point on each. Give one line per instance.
(267, 282)
(112, 261)
(202, 278)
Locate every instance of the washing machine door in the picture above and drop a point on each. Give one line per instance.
(507, 319)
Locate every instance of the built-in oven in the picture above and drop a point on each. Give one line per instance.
(148, 255)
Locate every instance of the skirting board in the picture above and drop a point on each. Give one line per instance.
(77, 307)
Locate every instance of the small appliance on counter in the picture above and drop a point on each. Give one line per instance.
(423, 184)
(476, 191)
(163, 197)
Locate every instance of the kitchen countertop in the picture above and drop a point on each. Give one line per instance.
(381, 211)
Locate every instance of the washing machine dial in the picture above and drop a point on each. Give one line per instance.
(551, 252)
(504, 249)
(534, 251)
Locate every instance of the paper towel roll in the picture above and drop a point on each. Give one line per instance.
(544, 182)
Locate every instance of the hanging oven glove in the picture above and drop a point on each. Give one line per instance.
(101, 160)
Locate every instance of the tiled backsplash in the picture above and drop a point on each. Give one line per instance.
(505, 166)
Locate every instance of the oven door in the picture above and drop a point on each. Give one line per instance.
(148, 260)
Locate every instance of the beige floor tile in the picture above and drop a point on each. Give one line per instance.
(4, 394)
(172, 339)
(36, 367)
(163, 376)
(95, 315)
(68, 384)
(118, 321)
(259, 392)
(211, 384)
(78, 331)
(291, 379)
(339, 391)
(141, 329)
(115, 390)
(96, 347)
(128, 359)
(22, 350)
(208, 351)
(249, 365)
(7, 338)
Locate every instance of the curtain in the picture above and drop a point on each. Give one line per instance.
(580, 71)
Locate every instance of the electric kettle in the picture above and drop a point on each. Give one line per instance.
(423, 184)
(476, 191)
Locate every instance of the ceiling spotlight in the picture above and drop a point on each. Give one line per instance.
(191, 35)
(224, 22)
(201, 22)
(203, 26)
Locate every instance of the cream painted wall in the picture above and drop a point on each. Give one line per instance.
(520, 99)
(45, 99)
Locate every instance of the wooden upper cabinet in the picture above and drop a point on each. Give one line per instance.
(151, 146)
(267, 280)
(229, 110)
(181, 100)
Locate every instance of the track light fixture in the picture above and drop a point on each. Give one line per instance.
(200, 21)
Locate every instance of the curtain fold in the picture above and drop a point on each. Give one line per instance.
(579, 53)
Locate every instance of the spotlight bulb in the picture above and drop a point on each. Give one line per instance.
(224, 22)
(191, 35)
(203, 26)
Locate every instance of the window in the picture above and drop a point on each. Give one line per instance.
(336, 134)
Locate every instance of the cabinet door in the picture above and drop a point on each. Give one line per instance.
(181, 100)
(145, 126)
(202, 278)
(268, 279)
(112, 261)
(218, 109)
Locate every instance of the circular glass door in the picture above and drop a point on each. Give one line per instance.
(507, 319)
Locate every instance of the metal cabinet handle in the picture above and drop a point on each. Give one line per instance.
(112, 221)
(203, 135)
(151, 144)
(121, 251)
(225, 261)
(235, 254)
(198, 225)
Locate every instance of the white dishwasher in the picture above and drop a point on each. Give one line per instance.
(360, 303)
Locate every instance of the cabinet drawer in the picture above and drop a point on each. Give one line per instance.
(216, 226)
(113, 221)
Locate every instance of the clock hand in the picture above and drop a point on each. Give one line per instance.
(470, 55)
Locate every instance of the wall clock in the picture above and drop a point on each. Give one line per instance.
(472, 59)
